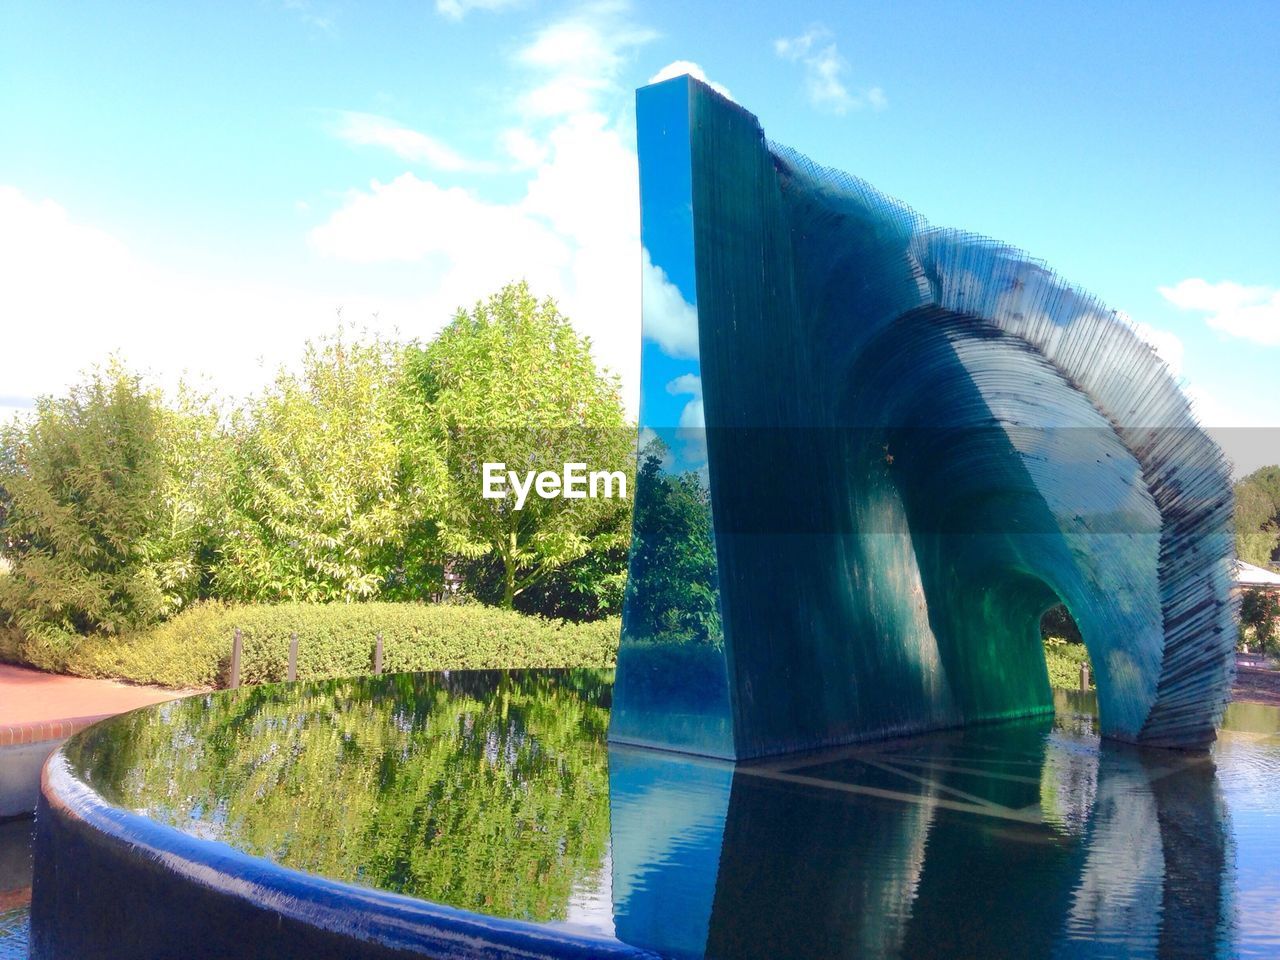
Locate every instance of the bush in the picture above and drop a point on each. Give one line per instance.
(336, 640)
(1063, 659)
(1260, 621)
(10, 645)
(103, 512)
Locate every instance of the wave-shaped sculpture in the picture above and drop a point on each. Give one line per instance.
(874, 453)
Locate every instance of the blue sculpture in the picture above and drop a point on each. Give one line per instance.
(874, 453)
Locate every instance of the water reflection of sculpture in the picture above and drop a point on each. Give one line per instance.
(498, 793)
(911, 442)
(967, 845)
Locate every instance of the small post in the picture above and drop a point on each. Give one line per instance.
(377, 655)
(1084, 675)
(293, 657)
(237, 648)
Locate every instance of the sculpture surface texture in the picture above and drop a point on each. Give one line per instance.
(873, 453)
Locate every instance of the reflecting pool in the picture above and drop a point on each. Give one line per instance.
(15, 887)
(498, 793)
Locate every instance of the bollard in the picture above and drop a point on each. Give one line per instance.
(1084, 675)
(237, 648)
(377, 655)
(293, 657)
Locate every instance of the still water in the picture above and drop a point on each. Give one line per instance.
(15, 887)
(499, 793)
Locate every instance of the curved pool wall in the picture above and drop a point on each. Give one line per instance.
(111, 881)
(112, 884)
(483, 815)
(873, 453)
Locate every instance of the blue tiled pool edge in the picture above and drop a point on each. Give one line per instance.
(217, 902)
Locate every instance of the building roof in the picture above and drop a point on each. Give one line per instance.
(1247, 575)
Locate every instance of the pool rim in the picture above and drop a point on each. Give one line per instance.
(346, 911)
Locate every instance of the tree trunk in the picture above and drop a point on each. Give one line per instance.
(508, 583)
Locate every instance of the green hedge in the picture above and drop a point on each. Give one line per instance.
(1063, 659)
(336, 640)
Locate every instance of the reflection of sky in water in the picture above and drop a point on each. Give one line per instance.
(1249, 770)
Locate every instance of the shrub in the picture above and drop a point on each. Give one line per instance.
(335, 640)
(103, 511)
(1063, 659)
(1260, 621)
(327, 498)
(10, 644)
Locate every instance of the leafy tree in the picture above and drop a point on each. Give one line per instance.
(1258, 542)
(586, 589)
(511, 382)
(106, 510)
(1260, 620)
(673, 594)
(325, 500)
(1258, 517)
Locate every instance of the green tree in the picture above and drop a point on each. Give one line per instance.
(326, 503)
(106, 510)
(586, 589)
(511, 382)
(1258, 516)
(673, 594)
(1260, 620)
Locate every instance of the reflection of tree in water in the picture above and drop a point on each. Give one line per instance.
(479, 790)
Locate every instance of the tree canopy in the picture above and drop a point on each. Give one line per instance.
(325, 497)
(511, 382)
(105, 513)
(357, 476)
(1258, 517)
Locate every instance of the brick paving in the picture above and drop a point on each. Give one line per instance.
(37, 706)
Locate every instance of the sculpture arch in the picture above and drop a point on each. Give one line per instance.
(912, 441)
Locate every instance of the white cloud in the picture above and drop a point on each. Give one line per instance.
(579, 59)
(410, 219)
(679, 68)
(587, 190)
(72, 293)
(686, 383)
(1251, 313)
(525, 150)
(1167, 345)
(1248, 435)
(457, 9)
(692, 429)
(368, 129)
(574, 231)
(669, 320)
(825, 70)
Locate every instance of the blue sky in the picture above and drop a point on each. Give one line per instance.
(202, 187)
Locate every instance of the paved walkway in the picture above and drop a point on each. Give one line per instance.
(36, 706)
